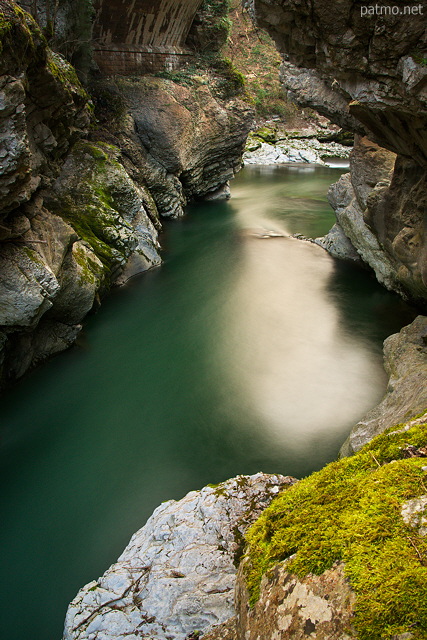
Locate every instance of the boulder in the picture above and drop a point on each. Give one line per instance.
(297, 608)
(176, 577)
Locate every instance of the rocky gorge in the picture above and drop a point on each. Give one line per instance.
(65, 240)
(81, 207)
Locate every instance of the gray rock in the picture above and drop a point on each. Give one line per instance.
(338, 245)
(16, 183)
(308, 89)
(414, 514)
(343, 200)
(194, 140)
(177, 574)
(80, 278)
(292, 607)
(293, 150)
(27, 286)
(405, 361)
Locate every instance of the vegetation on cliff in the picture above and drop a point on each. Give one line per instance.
(351, 511)
(255, 56)
(21, 41)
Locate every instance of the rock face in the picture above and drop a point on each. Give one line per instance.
(405, 360)
(177, 574)
(80, 204)
(365, 202)
(366, 72)
(371, 168)
(196, 140)
(364, 60)
(291, 607)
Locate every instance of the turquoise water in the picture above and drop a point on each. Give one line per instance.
(241, 353)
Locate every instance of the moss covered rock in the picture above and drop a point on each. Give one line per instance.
(43, 108)
(352, 513)
(96, 196)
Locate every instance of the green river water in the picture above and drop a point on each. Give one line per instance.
(240, 354)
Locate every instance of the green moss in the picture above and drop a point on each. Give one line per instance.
(350, 511)
(266, 135)
(91, 208)
(32, 255)
(89, 269)
(214, 25)
(21, 41)
(419, 57)
(65, 73)
(255, 55)
(220, 74)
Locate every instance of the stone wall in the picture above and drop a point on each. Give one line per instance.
(147, 36)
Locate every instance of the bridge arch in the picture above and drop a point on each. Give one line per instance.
(137, 36)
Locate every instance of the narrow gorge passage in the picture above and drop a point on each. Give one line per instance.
(246, 351)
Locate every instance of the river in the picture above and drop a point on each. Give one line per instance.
(246, 351)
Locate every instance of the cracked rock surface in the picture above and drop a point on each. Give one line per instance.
(177, 574)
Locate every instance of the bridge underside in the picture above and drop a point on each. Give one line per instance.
(140, 36)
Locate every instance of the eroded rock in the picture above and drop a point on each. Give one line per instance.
(192, 140)
(405, 361)
(177, 574)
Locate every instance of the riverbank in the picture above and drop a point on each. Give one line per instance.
(318, 142)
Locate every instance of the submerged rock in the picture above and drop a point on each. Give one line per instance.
(177, 574)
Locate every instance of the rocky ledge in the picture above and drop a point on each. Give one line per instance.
(315, 143)
(176, 577)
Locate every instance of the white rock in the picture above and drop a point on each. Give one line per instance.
(177, 574)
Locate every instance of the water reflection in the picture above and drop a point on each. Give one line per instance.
(290, 355)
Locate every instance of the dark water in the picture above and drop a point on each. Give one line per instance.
(240, 354)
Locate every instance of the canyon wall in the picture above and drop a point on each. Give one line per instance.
(366, 72)
(82, 192)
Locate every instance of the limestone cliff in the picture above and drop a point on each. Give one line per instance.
(367, 73)
(81, 193)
